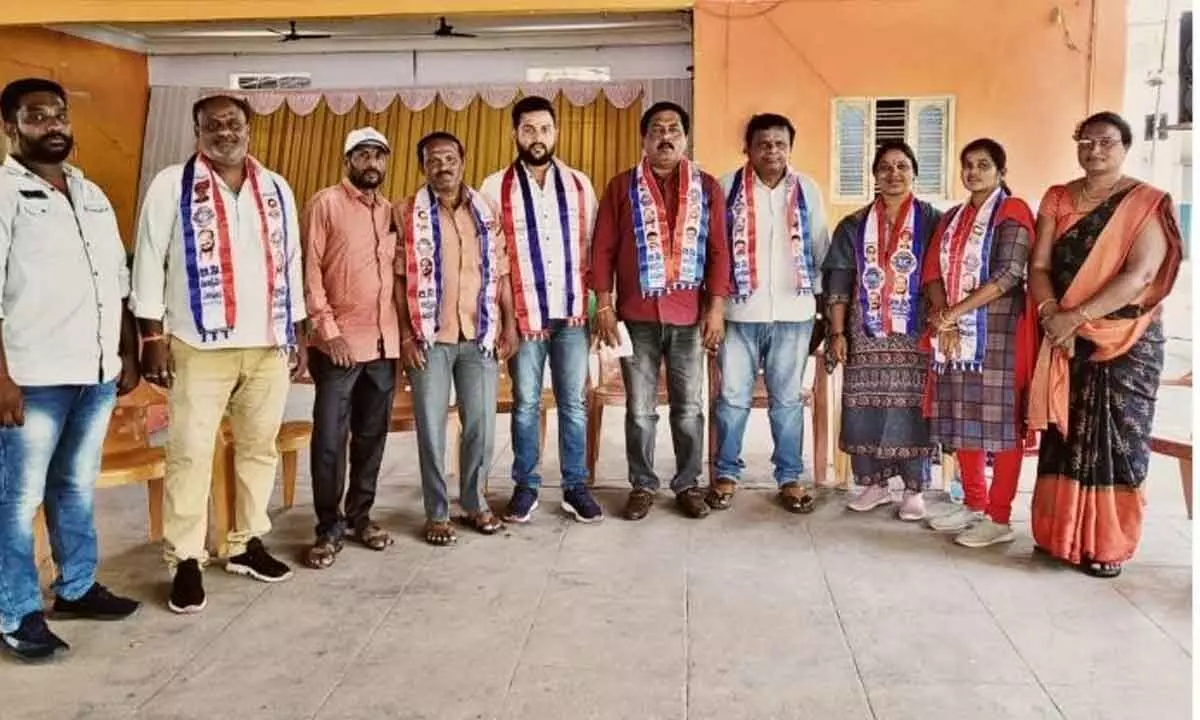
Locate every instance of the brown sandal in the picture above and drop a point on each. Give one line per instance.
(373, 537)
(720, 494)
(322, 553)
(440, 533)
(802, 504)
(485, 522)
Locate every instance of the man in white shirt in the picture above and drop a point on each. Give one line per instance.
(219, 296)
(547, 210)
(778, 238)
(68, 349)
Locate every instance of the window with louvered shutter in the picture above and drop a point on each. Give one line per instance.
(929, 136)
(851, 133)
(860, 125)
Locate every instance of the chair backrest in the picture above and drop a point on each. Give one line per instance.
(402, 401)
(504, 386)
(610, 374)
(127, 429)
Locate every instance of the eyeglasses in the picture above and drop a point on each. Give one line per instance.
(46, 117)
(212, 127)
(1104, 143)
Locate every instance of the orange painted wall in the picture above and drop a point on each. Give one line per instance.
(1008, 65)
(109, 96)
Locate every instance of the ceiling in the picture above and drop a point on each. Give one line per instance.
(392, 34)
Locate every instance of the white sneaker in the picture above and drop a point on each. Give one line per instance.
(912, 509)
(985, 532)
(871, 498)
(956, 520)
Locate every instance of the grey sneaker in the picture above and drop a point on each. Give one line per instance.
(957, 520)
(985, 532)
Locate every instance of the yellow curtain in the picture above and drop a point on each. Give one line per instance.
(599, 139)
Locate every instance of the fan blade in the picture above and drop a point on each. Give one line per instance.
(461, 35)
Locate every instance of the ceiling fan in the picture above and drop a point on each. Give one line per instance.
(292, 34)
(444, 29)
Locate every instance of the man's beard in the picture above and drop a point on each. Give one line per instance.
(526, 155)
(360, 181)
(38, 151)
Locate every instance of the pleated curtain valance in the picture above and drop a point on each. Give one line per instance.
(377, 100)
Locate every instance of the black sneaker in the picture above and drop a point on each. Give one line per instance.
(33, 641)
(520, 508)
(257, 563)
(187, 591)
(579, 504)
(96, 604)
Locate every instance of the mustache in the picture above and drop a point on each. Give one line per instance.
(666, 145)
(45, 139)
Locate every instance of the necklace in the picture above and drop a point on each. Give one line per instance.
(1088, 197)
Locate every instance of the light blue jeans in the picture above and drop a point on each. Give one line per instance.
(781, 350)
(53, 459)
(567, 348)
(474, 378)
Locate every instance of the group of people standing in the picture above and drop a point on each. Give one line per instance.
(965, 330)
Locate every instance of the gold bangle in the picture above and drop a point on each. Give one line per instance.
(604, 308)
(1043, 304)
(153, 338)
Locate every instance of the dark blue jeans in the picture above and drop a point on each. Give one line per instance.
(680, 347)
(54, 460)
(567, 348)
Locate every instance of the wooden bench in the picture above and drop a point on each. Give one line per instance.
(1177, 448)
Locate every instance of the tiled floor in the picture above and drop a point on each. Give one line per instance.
(752, 613)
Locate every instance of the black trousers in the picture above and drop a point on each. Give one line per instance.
(354, 404)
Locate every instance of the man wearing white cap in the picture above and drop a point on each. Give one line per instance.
(349, 247)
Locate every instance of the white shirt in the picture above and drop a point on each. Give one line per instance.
(550, 240)
(160, 284)
(63, 278)
(775, 298)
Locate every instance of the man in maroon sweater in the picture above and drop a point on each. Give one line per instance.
(661, 231)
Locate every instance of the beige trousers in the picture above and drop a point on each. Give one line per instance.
(251, 384)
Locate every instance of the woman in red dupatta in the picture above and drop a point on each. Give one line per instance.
(1107, 253)
(984, 338)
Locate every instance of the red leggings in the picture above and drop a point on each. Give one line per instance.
(1006, 474)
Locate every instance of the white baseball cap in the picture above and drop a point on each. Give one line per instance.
(365, 136)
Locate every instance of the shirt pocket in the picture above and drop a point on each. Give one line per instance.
(39, 229)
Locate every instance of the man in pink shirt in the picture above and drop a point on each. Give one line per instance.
(349, 247)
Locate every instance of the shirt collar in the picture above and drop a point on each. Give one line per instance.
(758, 181)
(13, 166)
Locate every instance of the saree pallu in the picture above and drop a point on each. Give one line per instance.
(1097, 408)
(883, 427)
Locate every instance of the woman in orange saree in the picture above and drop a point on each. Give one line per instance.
(1107, 253)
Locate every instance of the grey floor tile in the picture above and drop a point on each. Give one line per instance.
(978, 702)
(922, 647)
(1164, 594)
(281, 657)
(553, 693)
(1101, 701)
(1092, 648)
